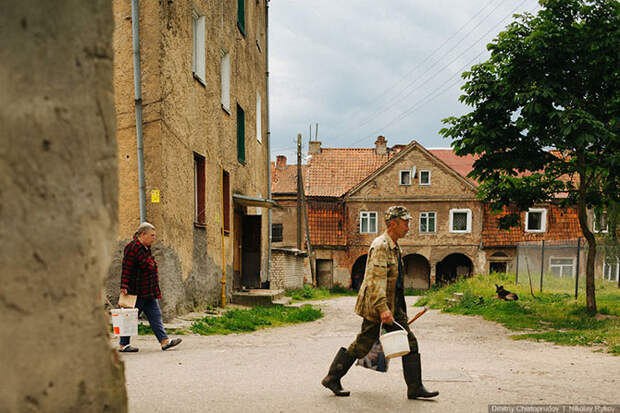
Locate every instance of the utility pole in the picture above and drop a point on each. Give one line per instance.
(299, 192)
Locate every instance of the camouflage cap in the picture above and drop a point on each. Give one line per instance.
(396, 212)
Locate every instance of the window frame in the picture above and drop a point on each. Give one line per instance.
(469, 220)
(543, 220)
(427, 217)
(199, 58)
(259, 120)
(595, 220)
(561, 266)
(366, 215)
(420, 177)
(400, 177)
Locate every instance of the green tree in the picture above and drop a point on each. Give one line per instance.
(545, 117)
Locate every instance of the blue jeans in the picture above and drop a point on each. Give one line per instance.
(153, 314)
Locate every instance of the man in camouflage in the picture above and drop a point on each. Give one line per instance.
(381, 300)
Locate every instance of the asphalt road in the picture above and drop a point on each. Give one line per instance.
(472, 362)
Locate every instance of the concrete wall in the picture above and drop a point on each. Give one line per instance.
(183, 116)
(58, 215)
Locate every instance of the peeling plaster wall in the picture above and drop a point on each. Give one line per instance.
(183, 116)
(58, 216)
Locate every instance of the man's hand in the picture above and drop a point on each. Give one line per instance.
(124, 291)
(386, 317)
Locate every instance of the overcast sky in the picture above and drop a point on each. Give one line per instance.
(363, 68)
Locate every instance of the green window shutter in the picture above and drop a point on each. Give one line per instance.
(240, 135)
(241, 15)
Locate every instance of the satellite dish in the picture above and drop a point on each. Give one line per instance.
(413, 172)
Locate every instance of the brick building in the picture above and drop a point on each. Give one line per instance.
(452, 232)
(203, 78)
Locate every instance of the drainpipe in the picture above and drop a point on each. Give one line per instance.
(135, 23)
(268, 138)
(223, 280)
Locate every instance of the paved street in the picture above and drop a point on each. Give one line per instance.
(471, 362)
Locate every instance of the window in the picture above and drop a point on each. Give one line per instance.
(368, 222)
(199, 189)
(599, 222)
(240, 135)
(276, 232)
(225, 69)
(259, 131)
(425, 177)
(460, 220)
(405, 177)
(536, 220)
(241, 16)
(562, 267)
(198, 59)
(427, 222)
(611, 270)
(226, 201)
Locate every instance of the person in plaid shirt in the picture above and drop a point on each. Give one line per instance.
(140, 277)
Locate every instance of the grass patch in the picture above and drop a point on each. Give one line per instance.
(319, 293)
(553, 316)
(243, 321)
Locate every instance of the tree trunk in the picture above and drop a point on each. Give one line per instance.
(583, 222)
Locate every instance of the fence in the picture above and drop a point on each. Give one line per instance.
(561, 265)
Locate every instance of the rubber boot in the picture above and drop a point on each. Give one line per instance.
(339, 367)
(412, 371)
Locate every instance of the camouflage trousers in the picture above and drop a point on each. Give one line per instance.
(370, 333)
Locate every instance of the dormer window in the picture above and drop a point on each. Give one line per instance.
(599, 223)
(536, 220)
(425, 177)
(405, 177)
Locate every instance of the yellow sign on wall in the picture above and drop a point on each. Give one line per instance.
(155, 196)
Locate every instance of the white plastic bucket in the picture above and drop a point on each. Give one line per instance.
(395, 343)
(125, 321)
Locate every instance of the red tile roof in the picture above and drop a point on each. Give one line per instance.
(461, 164)
(326, 222)
(562, 224)
(334, 171)
(284, 178)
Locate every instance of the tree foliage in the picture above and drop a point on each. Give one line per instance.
(545, 117)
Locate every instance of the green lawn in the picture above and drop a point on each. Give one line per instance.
(319, 293)
(553, 315)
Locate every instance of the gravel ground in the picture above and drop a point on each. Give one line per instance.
(472, 362)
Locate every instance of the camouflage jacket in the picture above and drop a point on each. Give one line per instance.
(378, 290)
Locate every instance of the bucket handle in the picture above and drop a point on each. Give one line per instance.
(381, 325)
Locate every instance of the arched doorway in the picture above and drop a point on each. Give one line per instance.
(357, 272)
(417, 271)
(452, 267)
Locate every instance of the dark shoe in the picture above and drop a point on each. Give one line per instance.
(171, 343)
(128, 349)
(412, 370)
(339, 367)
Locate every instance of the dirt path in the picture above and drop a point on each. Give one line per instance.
(472, 362)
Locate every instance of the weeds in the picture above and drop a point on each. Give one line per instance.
(552, 316)
(319, 293)
(241, 321)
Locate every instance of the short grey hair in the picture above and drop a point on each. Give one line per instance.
(144, 228)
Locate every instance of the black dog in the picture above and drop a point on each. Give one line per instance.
(505, 294)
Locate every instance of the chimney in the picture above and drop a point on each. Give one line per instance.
(280, 161)
(381, 145)
(314, 147)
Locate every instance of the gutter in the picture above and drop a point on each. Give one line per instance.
(137, 81)
(269, 216)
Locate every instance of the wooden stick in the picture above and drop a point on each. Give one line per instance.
(418, 315)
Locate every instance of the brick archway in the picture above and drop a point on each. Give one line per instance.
(417, 271)
(357, 272)
(453, 266)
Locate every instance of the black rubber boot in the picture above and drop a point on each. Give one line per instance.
(412, 370)
(341, 364)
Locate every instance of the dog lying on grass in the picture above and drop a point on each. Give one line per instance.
(505, 294)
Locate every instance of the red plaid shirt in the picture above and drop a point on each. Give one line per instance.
(140, 275)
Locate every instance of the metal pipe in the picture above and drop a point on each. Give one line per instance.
(577, 269)
(223, 280)
(137, 81)
(269, 217)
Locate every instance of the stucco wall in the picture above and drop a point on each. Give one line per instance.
(58, 221)
(183, 116)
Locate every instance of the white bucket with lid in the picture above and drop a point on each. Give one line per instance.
(125, 321)
(394, 343)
